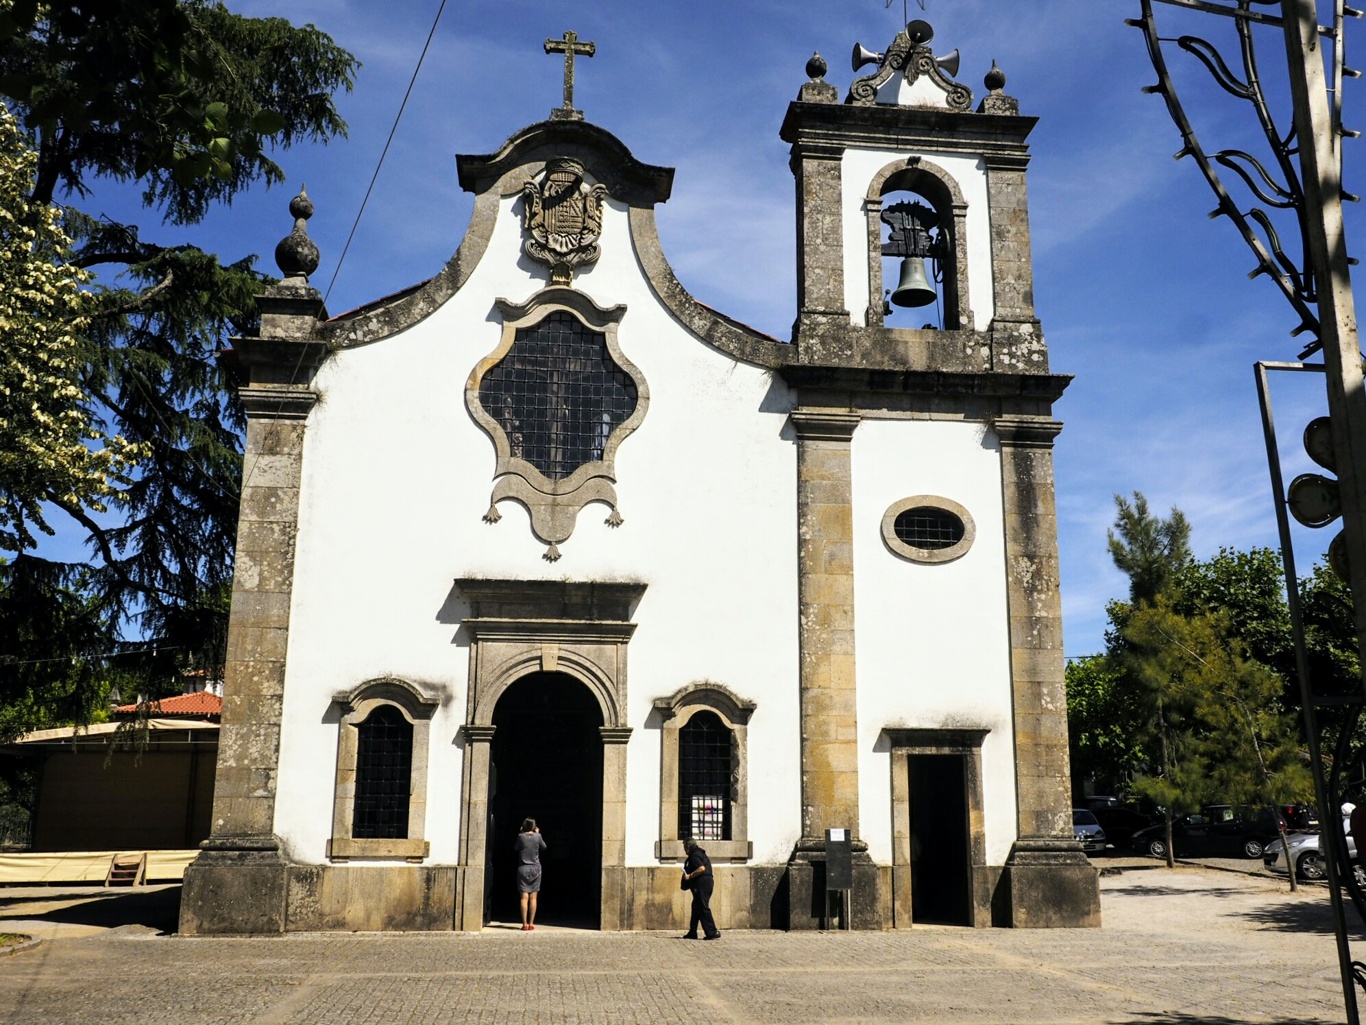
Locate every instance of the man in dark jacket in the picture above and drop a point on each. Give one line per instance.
(697, 870)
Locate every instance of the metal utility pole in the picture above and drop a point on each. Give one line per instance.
(1305, 178)
(1321, 175)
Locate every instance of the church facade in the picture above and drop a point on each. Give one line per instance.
(546, 537)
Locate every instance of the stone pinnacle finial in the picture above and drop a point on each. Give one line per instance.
(817, 89)
(296, 255)
(996, 78)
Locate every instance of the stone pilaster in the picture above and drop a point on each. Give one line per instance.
(1012, 267)
(238, 883)
(1050, 881)
(820, 242)
(829, 720)
(474, 825)
(616, 896)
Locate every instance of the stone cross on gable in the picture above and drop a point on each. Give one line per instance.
(569, 45)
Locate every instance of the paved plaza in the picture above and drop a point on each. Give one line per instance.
(1178, 947)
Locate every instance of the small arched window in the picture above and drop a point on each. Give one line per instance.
(384, 767)
(705, 772)
(379, 800)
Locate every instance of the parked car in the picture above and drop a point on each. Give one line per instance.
(1307, 857)
(1086, 829)
(1217, 830)
(1121, 823)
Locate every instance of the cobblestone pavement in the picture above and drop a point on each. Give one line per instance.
(1178, 947)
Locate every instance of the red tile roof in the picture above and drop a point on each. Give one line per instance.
(199, 705)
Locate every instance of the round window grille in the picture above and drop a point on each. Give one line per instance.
(928, 528)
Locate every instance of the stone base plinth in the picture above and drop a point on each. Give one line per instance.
(810, 906)
(1049, 884)
(234, 889)
(246, 892)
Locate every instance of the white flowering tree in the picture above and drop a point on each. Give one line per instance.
(52, 448)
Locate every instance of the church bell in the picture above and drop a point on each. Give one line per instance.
(914, 288)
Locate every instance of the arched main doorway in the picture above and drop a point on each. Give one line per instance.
(546, 764)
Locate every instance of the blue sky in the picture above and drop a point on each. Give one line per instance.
(1141, 297)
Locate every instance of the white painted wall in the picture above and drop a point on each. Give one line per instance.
(397, 477)
(931, 641)
(858, 167)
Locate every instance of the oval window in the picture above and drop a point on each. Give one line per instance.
(927, 528)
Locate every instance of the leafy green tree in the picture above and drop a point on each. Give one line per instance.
(1106, 721)
(1248, 590)
(1199, 653)
(188, 100)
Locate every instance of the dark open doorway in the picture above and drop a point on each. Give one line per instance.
(547, 765)
(941, 865)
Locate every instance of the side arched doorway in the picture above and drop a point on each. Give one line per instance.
(546, 763)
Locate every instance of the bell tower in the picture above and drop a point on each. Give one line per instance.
(915, 304)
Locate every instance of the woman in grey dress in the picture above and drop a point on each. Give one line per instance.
(528, 847)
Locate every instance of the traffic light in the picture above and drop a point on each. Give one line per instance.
(1313, 499)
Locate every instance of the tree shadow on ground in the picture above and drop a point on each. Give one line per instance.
(1171, 891)
(157, 909)
(1203, 1019)
(1302, 916)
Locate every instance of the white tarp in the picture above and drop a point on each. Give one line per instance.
(87, 866)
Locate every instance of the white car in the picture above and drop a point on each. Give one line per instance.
(1306, 857)
(1087, 830)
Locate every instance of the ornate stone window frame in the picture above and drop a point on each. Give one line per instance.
(554, 504)
(356, 705)
(929, 556)
(928, 179)
(734, 712)
(966, 743)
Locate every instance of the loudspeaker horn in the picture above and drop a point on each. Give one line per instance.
(863, 55)
(949, 63)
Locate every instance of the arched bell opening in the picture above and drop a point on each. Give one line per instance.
(915, 249)
(917, 268)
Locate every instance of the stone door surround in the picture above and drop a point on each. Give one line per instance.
(519, 627)
(966, 743)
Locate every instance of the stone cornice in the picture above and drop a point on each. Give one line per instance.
(996, 137)
(862, 380)
(1026, 431)
(904, 739)
(477, 733)
(564, 603)
(824, 424)
(277, 403)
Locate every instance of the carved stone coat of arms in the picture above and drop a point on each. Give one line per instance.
(563, 215)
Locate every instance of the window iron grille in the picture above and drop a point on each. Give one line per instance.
(384, 767)
(558, 395)
(705, 759)
(928, 528)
